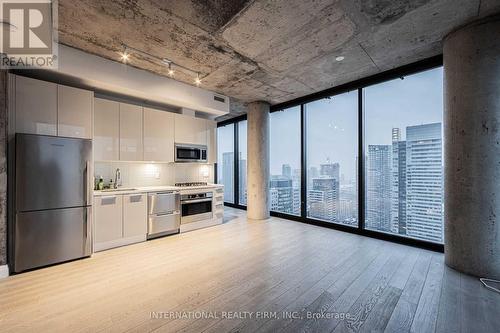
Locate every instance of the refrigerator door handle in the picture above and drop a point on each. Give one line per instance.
(88, 191)
(88, 231)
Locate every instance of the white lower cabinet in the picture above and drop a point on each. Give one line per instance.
(108, 218)
(119, 220)
(135, 210)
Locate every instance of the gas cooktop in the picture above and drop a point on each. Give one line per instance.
(191, 184)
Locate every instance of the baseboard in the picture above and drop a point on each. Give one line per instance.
(199, 225)
(4, 271)
(119, 242)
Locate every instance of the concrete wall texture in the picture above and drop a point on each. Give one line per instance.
(258, 201)
(472, 148)
(3, 167)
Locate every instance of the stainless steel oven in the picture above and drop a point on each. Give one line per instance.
(164, 216)
(190, 153)
(196, 207)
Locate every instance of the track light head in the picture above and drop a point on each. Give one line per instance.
(124, 56)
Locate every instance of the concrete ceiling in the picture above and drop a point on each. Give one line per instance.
(271, 50)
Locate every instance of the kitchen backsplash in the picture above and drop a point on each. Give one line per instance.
(154, 174)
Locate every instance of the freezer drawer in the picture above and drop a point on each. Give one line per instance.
(52, 236)
(160, 225)
(163, 202)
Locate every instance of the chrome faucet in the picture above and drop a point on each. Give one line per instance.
(118, 178)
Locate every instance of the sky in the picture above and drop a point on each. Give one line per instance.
(332, 123)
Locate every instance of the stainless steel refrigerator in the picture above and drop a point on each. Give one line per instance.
(53, 198)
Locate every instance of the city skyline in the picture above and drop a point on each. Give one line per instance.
(401, 197)
(387, 105)
(403, 191)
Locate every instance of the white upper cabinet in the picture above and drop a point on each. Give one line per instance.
(212, 141)
(106, 130)
(74, 113)
(50, 109)
(190, 130)
(158, 135)
(36, 106)
(131, 132)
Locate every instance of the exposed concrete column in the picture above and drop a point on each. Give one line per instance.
(258, 201)
(472, 148)
(3, 170)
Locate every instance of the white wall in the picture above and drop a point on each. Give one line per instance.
(154, 174)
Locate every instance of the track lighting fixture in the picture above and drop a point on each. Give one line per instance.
(125, 56)
(170, 70)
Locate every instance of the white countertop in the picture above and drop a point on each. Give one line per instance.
(147, 189)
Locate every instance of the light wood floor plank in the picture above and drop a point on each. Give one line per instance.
(428, 304)
(253, 266)
(402, 316)
(450, 303)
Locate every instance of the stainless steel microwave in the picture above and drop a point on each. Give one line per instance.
(190, 153)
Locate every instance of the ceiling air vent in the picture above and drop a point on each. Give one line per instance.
(219, 99)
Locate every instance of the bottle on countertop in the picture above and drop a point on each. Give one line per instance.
(100, 185)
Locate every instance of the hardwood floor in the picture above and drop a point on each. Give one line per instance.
(270, 276)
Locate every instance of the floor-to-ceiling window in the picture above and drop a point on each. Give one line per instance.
(366, 157)
(404, 156)
(285, 168)
(225, 160)
(332, 153)
(242, 162)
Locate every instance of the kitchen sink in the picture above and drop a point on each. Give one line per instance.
(118, 189)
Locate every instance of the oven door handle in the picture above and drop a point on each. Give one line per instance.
(175, 212)
(196, 201)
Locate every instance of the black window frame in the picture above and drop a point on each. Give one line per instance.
(358, 85)
(236, 181)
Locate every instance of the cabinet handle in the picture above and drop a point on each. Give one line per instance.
(135, 198)
(111, 200)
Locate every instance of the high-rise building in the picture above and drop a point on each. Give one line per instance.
(286, 170)
(424, 184)
(242, 178)
(330, 169)
(323, 198)
(378, 203)
(296, 201)
(347, 212)
(228, 176)
(281, 191)
(398, 200)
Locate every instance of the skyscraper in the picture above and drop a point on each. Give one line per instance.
(378, 205)
(424, 173)
(242, 179)
(323, 198)
(228, 176)
(330, 169)
(281, 191)
(398, 202)
(286, 170)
